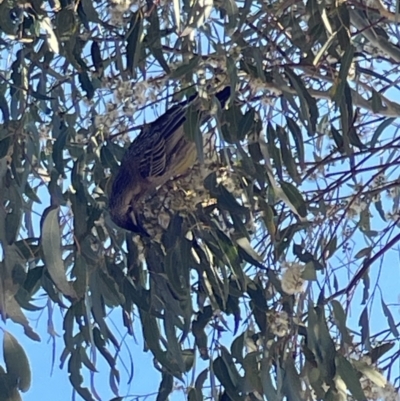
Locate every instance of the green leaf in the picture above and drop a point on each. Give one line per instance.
(59, 146)
(31, 194)
(192, 130)
(338, 139)
(325, 345)
(252, 375)
(391, 321)
(297, 137)
(86, 361)
(230, 366)
(379, 351)
(4, 146)
(16, 361)
(346, 119)
(151, 333)
(199, 333)
(378, 132)
(308, 105)
(226, 201)
(96, 56)
(237, 347)
(6, 385)
(309, 273)
(109, 289)
(7, 24)
(188, 358)
(232, 12)
(307, 257)
(201, 378)
(245, 244)
(177, 270)
(364, 324)
(100, 344)
(320, 343)
(13, 218)
(349, 375)
(89, 10)
(367, 282)
(195, 394)
(134, 41)
(75, 377)
(291, 384)
(52, 252)
(345, 64)
(331, 247)
(268, 219)
(287, 156)
(273, 150)
(233, 116)
(371, 373)
(86, 83)
(294, 197)
(365, 252)
(232, 74)
(221, 371)
(266, 379)
(343, 24)
(174, 348)
(376, 102)
(354, 138)
(186, 68)
(65, 23)
(379, 207)
(340, 319)
(246, 124)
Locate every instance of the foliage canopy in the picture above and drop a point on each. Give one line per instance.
(284, 224)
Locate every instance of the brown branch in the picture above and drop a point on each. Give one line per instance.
(366, 264)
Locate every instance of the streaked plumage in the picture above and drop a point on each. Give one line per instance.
(160, 152)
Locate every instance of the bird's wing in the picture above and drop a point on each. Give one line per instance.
(152, 162)
(153, 146)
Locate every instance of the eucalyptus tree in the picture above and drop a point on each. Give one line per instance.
(258, 251)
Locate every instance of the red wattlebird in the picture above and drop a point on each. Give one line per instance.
(160, 152)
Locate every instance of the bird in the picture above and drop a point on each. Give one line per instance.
(160, 151)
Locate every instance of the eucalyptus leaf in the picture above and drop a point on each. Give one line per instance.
(16, 361)
(52, 252)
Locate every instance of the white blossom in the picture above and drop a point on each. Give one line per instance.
(278, 323)
(379, 181)
(292, 282)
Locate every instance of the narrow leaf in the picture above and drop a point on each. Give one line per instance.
(297, 137)
(349, 375)
(134, 42)
(386, 123)
(364, 324)
(389, 317)
(294, 197)
(16, 361)
(52, 252)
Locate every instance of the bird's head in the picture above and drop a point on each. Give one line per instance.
(124, 194)
(125, 217)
